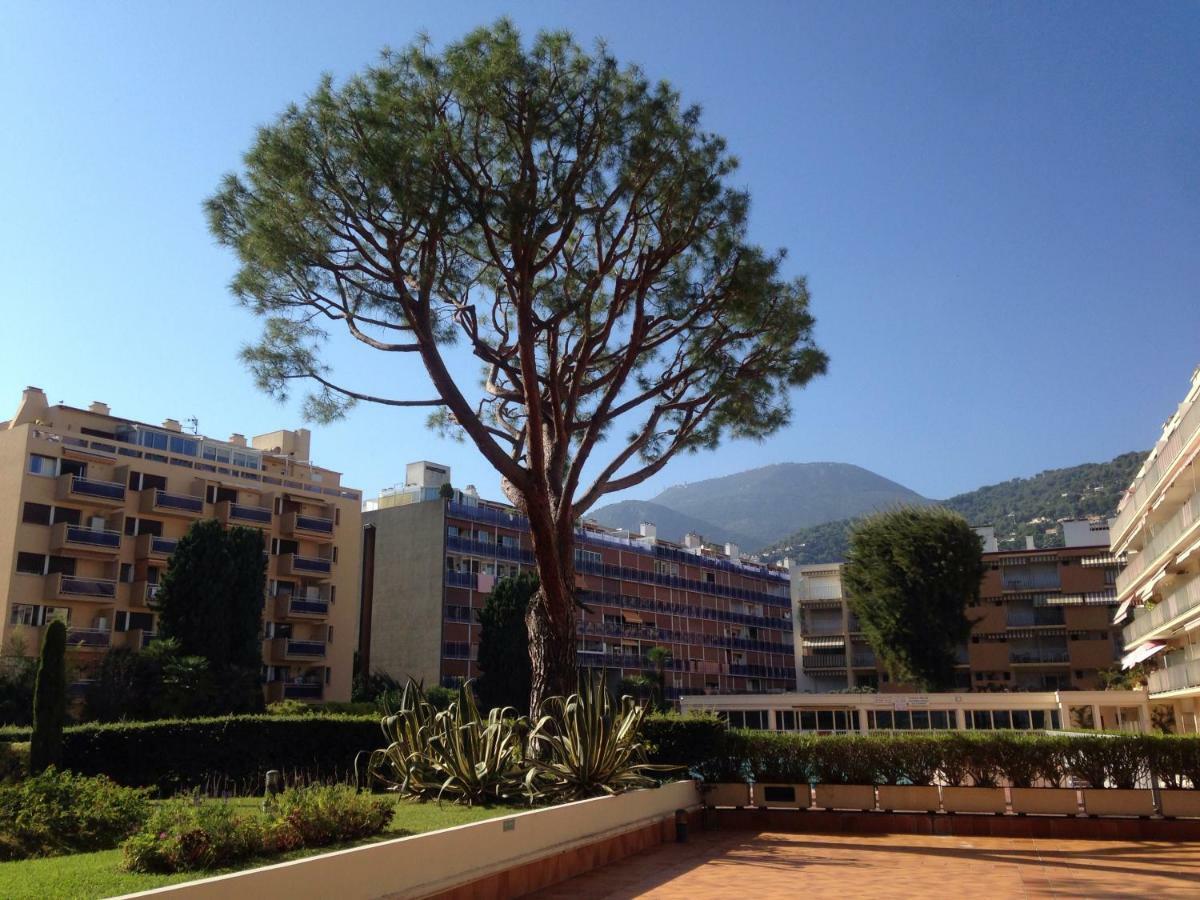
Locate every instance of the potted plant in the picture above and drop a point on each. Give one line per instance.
(907, 766)
(1112, 765)
(1028, 760)
(969, 767)
(1175, 764)
(782, 766)
(845, 768)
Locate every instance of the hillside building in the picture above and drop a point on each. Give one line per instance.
(1042, 622)
(1158, 527)
(430, 561)
(91, 508)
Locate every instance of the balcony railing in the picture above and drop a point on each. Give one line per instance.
(1146, 487)
(91, 488)
(1023, 618)
(863, 660)
(314, 523)
(305, 648)
(1185, 598)
(184, 503)
(1164, 540)
(1182, 675)
(292, 605)
(73, 587)
(824, 661)
(311, 564)
(242, 512)
(91, 638)
(70, 536)
(1044, 655)
(153, 545)
(303, 690)
(462, 579)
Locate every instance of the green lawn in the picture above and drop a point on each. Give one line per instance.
(91, 875)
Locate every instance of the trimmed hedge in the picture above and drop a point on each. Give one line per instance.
(227, 754)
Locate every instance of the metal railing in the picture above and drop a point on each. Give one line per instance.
(303, 690)
(314, 523)
(260, 514)
(88, 637)
(311, 563)
(307, 606)
(1183, 599)
(1049, 615)
(163, 545)
(824, 661)
(79, 534)
(1146, 487)
(183, 502)
(1046, 655)
(89, 487)
(95, 588)
(305, 648)
(1163, 540)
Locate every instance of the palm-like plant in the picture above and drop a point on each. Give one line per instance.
(660, 658)
(588, 745)
(456, 753)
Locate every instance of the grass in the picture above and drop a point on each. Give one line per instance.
(88, 875)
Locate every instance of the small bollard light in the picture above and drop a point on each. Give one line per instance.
(681, 825)
(274, 788)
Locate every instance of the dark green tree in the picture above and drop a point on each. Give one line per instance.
(49, 699)
(660, 658)
(18, 672)
(503, 657)
(210, 604)
(569, 224)
(909, 576)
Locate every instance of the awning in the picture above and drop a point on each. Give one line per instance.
(824, 642)
(1141, 654)
(1188, 552)
(1122, 612)
(631, 617)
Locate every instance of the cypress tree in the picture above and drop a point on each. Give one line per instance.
(49, 699)
(504, 643)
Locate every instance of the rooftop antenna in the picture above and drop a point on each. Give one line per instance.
(194, 424)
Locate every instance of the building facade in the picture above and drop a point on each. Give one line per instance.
(872, 713)
(433, 560)
(1158, 528)
(92, 505)
(1042, 622)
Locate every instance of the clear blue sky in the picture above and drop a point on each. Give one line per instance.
(997, 207)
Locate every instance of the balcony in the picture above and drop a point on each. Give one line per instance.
(863, 660)
(315, 528)
(1040, 656)
(1036, 617)
(144, 593)
(291, 648)
(315, 567)
(90, 491)
(1144, 488)
(71, 587)
(291, 606)
(1182, 600)
(824, 661)
(150, 546)
(1158, 548)
(88, 639)
(164, 503)
(294, 690)
(230, 513)
(68, 538)
(1179, 676)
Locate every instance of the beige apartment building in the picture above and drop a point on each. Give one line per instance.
(1158, 527)
(1041, 624)
(92, 505)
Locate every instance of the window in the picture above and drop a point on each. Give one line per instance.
(61, 564)
(36, 514)
(184, 446)
(456, 649)
(130, 526)
(126, 575)
(66, 514)
(24, 614)
(43, 465)
(785, 720)
(56, 614)
(154, 482)
(31, 563)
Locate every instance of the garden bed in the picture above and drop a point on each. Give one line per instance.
(99, 874)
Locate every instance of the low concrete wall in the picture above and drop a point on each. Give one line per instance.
(437, 862)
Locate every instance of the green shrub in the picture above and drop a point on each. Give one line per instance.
(195, 835)
(673, 739)
(320, 815)
(1109, 760)
(1174, 761)
(780, 758)
(907, 758)
(228, 753)
(184, 836)
(845, 759)
(57, 812)
(14, 761)
(1026, 760)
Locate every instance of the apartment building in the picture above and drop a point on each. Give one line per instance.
(1042, 622)
(1158, 528)
(430, 562)
(91, 508)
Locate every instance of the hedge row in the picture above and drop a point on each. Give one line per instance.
(984, 758)
(221, 754)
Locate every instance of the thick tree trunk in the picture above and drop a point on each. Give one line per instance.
(551, 615)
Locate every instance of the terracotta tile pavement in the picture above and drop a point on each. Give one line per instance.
(745, 865)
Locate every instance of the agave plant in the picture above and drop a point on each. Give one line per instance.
(455, 754)
(587, 744)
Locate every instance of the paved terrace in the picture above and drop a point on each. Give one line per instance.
(746, 864)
